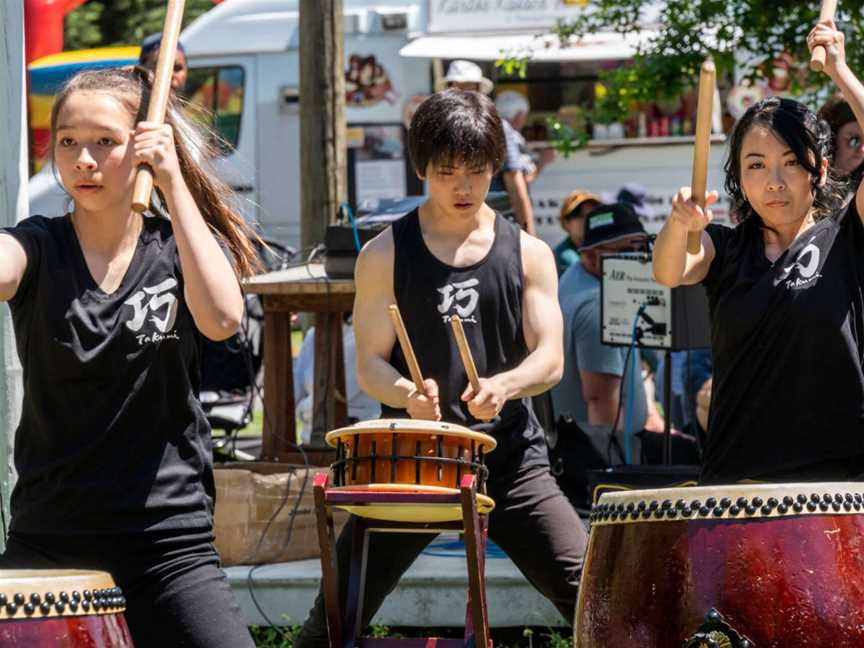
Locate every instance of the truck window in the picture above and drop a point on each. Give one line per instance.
(219, 90)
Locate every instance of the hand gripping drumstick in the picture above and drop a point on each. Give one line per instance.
(817, 58)
(407, 350)
(702, 146)
(465, 352)
(159, 96)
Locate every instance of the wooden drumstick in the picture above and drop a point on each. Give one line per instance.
(817, 57)
(702, 146)
(407, 350)
(159, 96)
(465, 352)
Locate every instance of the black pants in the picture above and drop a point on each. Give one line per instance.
(176, 592)
(532, 522)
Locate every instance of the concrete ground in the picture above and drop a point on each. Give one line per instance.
(432, 592)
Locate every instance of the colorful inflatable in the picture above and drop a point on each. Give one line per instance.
(48, 73)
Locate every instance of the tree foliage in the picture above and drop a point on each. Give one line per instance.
(742, 36)
(101, 23)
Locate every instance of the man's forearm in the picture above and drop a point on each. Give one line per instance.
(517, 189)
(537, 373)
(382, 382)
(602, 411)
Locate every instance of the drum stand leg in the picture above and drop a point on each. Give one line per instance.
(344, 618)
(476, 621)
(327, 546)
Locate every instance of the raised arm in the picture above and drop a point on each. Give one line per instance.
(374, 334)
(673, 264)
(13, 263)
(212, 289)
(827, 35)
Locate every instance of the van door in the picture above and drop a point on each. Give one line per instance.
(224, 88)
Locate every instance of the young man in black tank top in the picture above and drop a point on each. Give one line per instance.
(456, 256)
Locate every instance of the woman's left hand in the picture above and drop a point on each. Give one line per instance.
(827, 35)
(154, 146)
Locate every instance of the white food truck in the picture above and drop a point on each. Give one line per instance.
(244, 66)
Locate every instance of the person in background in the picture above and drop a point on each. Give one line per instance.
(847, 141)
(150, 55)
(574, 209)
(360, 406)
(519, 168)
(590, 388)
(465, 75)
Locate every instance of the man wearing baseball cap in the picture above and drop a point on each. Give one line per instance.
(590, 387)
(574, 209)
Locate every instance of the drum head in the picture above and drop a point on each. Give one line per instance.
(414, 512)
(411, 426)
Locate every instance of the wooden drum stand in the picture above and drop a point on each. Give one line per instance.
(411, 454)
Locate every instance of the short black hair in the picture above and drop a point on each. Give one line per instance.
(456, 127)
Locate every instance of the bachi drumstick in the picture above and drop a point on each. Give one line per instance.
(407, 350)
(159, 96)
(817, 58)
(465, 352)
(702, 146)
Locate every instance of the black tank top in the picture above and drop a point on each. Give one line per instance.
(487, 296)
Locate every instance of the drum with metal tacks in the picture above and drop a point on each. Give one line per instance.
(61, 609)
(741, 566)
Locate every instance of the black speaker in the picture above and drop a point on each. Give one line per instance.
(341, 250)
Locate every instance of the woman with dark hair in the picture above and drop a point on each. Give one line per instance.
(786, 293)
(113, 450)
(847, 139)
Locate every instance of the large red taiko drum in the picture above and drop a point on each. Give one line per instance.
(743, 566)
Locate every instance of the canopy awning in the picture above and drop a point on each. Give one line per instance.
(545, 48)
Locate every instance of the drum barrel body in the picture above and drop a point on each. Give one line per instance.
(777, 581)
(407, 458)
(102, 631)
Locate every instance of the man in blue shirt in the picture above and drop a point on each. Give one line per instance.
(590, 387)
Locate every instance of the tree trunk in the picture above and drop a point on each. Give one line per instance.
(322, 117)
(323, 183)
(13, 203)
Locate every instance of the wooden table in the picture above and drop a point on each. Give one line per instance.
(295, 290)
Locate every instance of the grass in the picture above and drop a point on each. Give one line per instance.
(266, 637)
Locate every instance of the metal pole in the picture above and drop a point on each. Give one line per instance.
(667, 409)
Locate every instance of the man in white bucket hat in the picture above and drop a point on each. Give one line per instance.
(465, 75)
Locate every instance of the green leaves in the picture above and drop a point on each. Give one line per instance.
(740, 35)
(101, 23)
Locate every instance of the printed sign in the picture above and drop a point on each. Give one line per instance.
(469, 15)
(367, 82)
